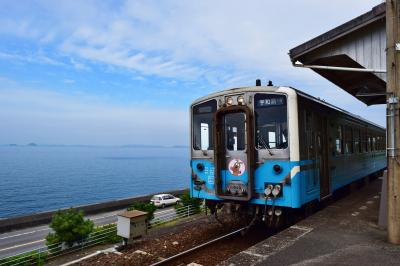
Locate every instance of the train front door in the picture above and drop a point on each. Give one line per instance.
(322, 155)
(233, 158)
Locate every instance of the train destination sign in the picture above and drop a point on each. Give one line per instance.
(270, 100)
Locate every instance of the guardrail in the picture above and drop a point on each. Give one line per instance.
(24, 221)
(179, 213)
(40, 255)
(106, 234)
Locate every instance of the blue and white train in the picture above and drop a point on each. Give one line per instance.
(277, 148)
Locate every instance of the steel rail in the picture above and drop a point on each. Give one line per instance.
(197, 247)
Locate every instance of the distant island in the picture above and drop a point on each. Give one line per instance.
(32, 144)
(180, 146)
(140, 146)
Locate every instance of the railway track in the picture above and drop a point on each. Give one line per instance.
(223, 247)
(218, 249)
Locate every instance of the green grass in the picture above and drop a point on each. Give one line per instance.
(108, 237)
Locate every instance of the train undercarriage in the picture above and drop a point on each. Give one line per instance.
(250, 214)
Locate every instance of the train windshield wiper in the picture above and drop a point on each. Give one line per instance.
(264, 145)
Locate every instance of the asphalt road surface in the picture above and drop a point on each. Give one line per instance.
(23, 240)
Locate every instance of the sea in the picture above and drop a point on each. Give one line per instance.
(41, 178)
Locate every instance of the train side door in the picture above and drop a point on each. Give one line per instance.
(233, 158)
(322, 155)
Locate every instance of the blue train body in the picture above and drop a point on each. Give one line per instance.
(323, 148)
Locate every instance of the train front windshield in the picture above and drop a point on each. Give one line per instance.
(271, 129)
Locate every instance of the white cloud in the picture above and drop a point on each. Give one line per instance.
(149, 65)
(39, 58)
(193, 40)
(78, 65)
(218, 44)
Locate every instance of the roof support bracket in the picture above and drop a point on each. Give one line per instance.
(355, 69)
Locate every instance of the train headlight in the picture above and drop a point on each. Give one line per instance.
(229, 101)
(240, 100)
(276, 190)
(268, 190)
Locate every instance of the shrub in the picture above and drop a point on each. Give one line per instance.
(69, 227)
(145, 207)
(186, 200)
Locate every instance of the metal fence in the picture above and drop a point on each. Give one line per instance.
(102, 235)
(40, 255)
(171, 215)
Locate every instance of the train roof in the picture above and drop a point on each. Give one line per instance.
(284, 89)
(337, 108)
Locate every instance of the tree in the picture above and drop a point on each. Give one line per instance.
(69, 227)
(186, 200)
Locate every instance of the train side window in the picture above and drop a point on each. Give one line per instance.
(365, 142)
(348, 140)
(369, 144)
(371, 148)
(357, 140)
(383, 142)
(309, 135)
(202, 123)
(374, 144)
(377, 147)
(339, 140)
(378, 143)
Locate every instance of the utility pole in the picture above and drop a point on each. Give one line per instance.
(393, 127)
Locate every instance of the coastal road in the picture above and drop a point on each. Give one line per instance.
(18, 241)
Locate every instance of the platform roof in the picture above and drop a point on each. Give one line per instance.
(358, 43)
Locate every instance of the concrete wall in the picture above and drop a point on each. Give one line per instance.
(35, 219)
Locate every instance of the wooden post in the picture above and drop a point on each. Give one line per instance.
(393, 129)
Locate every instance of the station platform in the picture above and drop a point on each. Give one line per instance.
(345, 232)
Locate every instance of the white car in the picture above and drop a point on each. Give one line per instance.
(162, 200)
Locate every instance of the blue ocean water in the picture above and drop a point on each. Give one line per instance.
(34, 179)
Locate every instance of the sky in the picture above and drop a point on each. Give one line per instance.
(126, 72)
